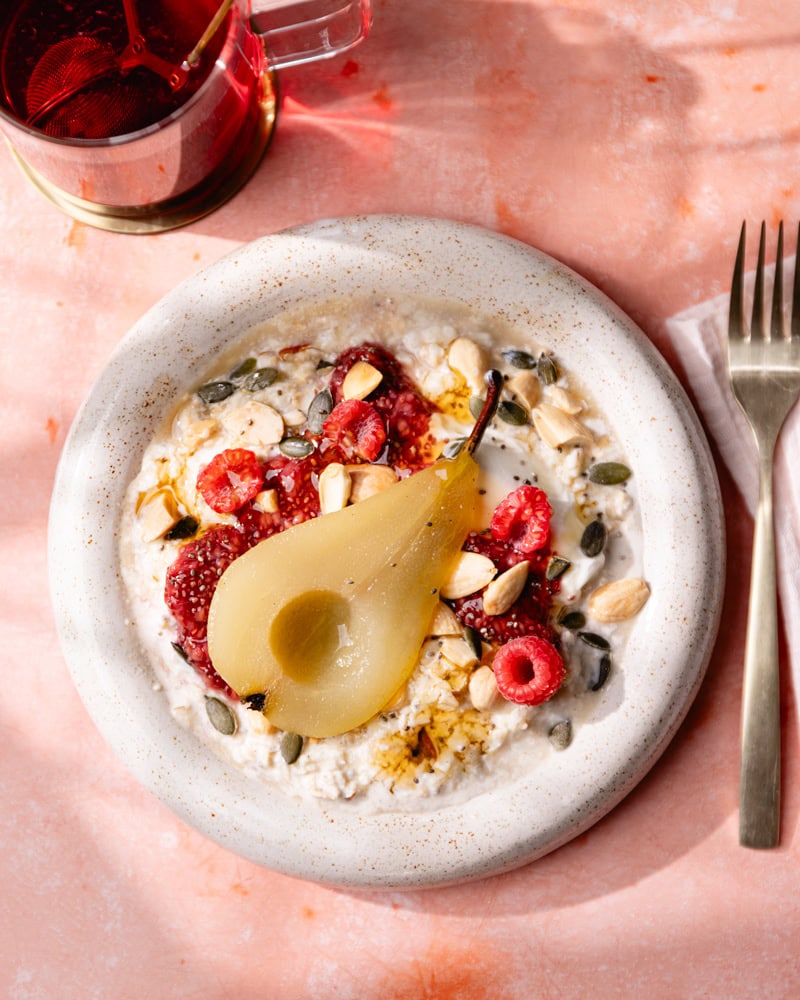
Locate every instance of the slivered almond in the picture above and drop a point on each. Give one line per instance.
(483, 691)
(458, 652)
(334, 488)
(470, 573)
(256, 423)
(158, 512)
(619, 600)
(526, 387)
(367, 480)
(294, 418)
(266, 501)
(361, 380)
(505, 589)
(468, 359)
(557, 428)
(444, 621)
(565, 400)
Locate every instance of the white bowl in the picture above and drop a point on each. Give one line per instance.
(500, 827)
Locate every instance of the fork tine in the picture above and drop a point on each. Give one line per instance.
(757, 322)
(736, 315)
(795, 326)
(776, 319)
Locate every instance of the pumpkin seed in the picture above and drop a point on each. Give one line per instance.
(476, 405)
(319, 410)
(322, 363)
(573, 620)
(609, 473)
(512, 413)
(519, 359)
(296, 447)
(220, 716)
(291, 747)
(261, 378)
(247, 366)
(601, 675)
(593, 539)
(185, 528)
(548, 370)
(561, 734)
(473, 639)
(556, 567)
(595, 640)
(215, 392)
(452, 448)
(180, 651)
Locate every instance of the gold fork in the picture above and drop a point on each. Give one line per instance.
(764, 369)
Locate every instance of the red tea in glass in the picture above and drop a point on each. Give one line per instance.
(73, 48)
(104, 114)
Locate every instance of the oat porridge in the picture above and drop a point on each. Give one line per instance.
(493, 622)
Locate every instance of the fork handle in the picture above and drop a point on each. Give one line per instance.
(759, 805)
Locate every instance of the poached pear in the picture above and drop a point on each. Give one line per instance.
(326, 620)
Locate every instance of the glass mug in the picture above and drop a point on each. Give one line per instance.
(139, 116)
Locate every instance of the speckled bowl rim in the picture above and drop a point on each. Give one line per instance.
(502, 826)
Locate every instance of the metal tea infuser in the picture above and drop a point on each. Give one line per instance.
(61, 88)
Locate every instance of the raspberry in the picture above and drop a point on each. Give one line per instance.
(405, 412)
(528, 671)
(191, 581)
(230, 479)
(523, 519)
(394, 378)
(407, 422)
(257, 524)
(520, 621)
(529, 615)
(356, 429)
(195, 651)
(294, 480)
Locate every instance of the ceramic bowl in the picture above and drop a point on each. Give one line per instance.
(502, 825)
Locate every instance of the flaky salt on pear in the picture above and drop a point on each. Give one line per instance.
(326, 619)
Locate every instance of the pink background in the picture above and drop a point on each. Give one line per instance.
(627, 139)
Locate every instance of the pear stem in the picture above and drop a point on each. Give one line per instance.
(494, 383)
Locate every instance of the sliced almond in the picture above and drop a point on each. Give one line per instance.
(266, 501)
(158, 512)
(526, 387)
(367, 480)
(256, 423)
(361, 380)
(470, 573)
(557, 428)
(483, 691)
(458, 652)
(444, 621)
(334, 488)
(505, 589)
(565, 400)
(294, 418)
(469, 360)
(619, 600)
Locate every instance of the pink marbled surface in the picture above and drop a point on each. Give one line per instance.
(628, 140)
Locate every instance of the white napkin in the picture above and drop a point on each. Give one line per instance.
(698, 337)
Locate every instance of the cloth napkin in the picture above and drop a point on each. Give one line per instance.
(698, 337)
